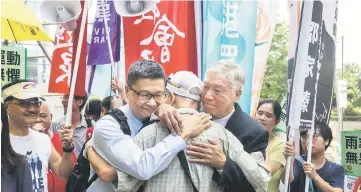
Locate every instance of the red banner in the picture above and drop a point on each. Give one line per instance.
(62, 61)
(167, 34)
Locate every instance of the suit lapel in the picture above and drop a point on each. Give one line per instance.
(233, 123)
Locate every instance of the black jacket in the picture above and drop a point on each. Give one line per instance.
(254, 137)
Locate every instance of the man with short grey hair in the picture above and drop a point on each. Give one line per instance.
(221, 91)
(185, 89)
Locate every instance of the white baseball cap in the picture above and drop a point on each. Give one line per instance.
(23, 90)
(186, 84)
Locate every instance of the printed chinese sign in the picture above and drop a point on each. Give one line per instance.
(13, 64)
(351, 152)
(320, 64)
(167, 34)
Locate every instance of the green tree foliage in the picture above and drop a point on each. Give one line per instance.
(275, 81)
(352, 74)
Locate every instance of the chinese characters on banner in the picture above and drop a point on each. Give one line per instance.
(99, 51)
(314, 62)
(351, 152)
(167, 34)
(13, 64)
(62, 63)
(99, 58)
(320, 64)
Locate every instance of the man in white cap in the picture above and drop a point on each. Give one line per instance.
(23, 105)
(185, 89)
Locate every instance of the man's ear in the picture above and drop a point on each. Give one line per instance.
(172, 98)
(326, 143)
(126, 89)
(238, 95)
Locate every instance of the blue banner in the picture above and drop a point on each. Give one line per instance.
(229, 33)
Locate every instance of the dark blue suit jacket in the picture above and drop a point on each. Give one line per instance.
(254, 137)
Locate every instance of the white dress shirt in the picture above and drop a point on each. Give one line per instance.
(225, 119)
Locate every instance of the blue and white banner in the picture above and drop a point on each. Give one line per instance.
(229, 33)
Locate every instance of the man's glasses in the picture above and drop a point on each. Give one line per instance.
(27, 103)
(146, 96)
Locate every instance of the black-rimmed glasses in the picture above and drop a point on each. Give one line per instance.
(146, 96)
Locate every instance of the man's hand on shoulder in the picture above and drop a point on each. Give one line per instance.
(171, 117)
(193, 125)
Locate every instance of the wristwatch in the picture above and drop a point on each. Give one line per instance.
(68, 150)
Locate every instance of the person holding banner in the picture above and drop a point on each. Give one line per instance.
(23, 105)
(78, 121)
(222, 89)
(324, 175)
(268, 114)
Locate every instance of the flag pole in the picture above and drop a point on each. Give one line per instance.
(76, 64)
(298, 81)
(114, 74)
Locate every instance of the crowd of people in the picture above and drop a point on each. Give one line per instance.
(180, 134)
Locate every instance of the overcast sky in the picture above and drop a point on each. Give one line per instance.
(349, 25)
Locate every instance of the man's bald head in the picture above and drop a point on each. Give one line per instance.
(43, 122)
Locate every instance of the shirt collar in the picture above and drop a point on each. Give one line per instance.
(223, 121)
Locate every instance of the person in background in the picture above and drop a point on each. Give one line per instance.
(324, 175)
(92, 115)
(106, 105)
(120, 99)
(15, 170)
(78, 122)
(23, 104)
(268, 114)
(43, 124)
(93, 111)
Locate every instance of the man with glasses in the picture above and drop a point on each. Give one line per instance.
(78, 121)
(145, 90)
(23, 105)
(324, 175)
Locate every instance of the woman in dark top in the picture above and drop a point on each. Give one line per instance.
(15, 171)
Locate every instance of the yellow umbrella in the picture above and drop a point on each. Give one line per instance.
(19, 23)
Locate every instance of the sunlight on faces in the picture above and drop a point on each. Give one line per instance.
(144, 108)
(265, 115)
(218, 96)
(22, 116)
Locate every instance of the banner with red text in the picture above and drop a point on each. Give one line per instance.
(167, 34)
(62, 63)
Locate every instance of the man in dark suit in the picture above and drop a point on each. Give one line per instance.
(221, 91)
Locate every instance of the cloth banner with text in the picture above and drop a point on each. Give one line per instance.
(166, 34)
(229, 33)
(320, 62)
(99, 77)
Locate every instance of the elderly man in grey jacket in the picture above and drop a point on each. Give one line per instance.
(185, 88)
